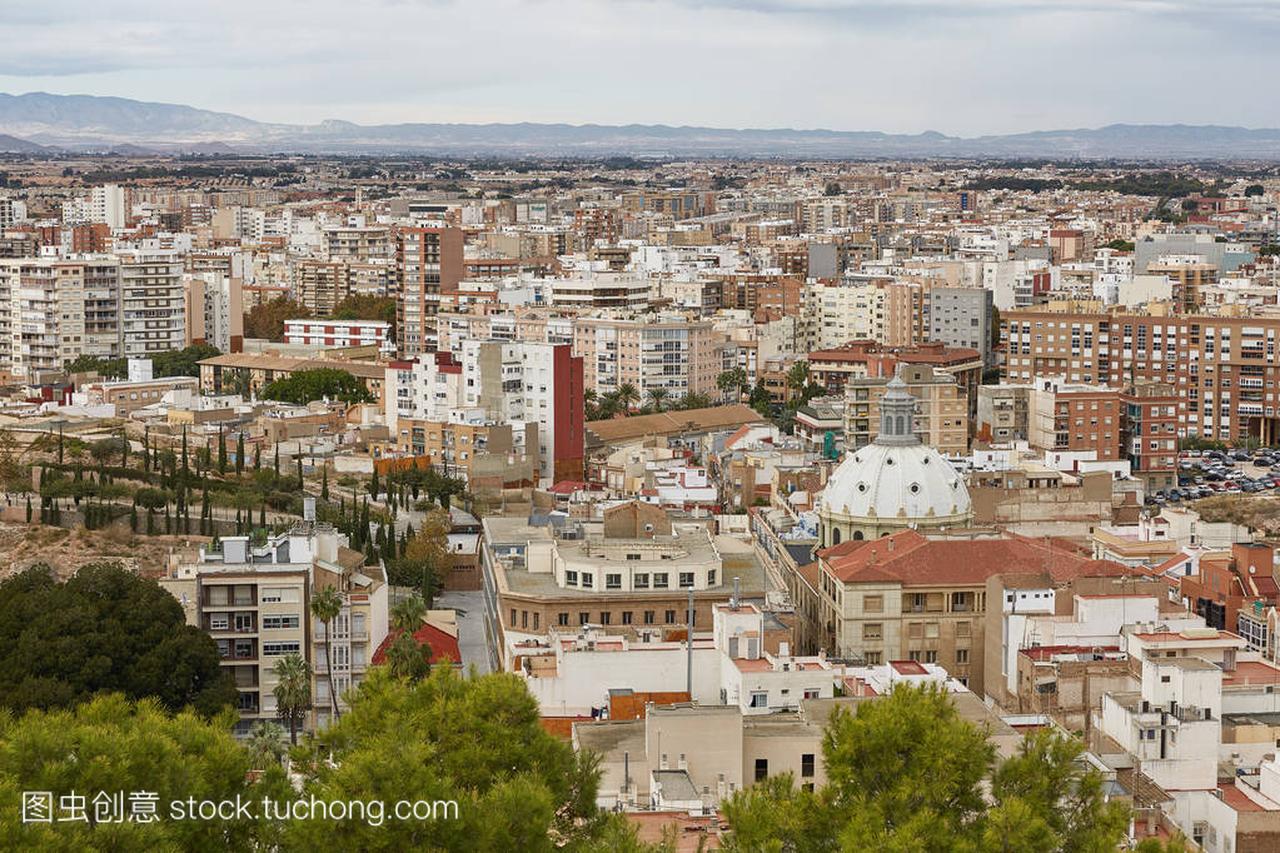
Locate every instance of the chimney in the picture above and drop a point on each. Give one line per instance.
(733, 600)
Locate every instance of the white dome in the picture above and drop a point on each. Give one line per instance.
(895, 481)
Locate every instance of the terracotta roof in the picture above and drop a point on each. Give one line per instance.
(671, 423)
(444, 648)
(911, 559)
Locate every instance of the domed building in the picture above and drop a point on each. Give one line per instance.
(895, 482)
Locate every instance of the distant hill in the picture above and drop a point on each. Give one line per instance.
(84, 122)
(14, 145)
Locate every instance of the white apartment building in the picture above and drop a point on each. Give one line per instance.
(53, 310)
(153, 301)
(331, 333)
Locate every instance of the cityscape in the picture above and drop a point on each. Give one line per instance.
(573, 479)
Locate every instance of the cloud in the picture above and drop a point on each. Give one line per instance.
(959, 66)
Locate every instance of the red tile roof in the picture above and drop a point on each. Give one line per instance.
(911, 559)
(444, 648)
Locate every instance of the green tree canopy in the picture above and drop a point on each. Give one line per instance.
(303, 386)
(477, 741)
(104, 630)
(905, 772)
(112, 745)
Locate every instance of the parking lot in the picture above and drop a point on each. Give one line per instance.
(1216, 472)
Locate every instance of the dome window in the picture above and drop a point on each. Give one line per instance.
(915, 488)
(862, 487)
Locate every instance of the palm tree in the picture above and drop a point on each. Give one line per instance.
(266, 744)
(658, 396)
(407, 613)
(628, 395)
(325, 606)
(292, 692)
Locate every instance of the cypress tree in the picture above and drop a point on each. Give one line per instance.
(133, 518)
(60, 443)
(262, 516)
(240, 454)
(324, 485)
(185, 462)
(301, 484)
(257, 457)
(222, 453)
(277, 460)
(28, 509)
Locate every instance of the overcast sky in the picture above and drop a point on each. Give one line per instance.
(957, 66)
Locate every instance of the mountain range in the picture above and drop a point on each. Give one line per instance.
(85, 123)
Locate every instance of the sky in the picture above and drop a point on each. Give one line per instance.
(963, 67)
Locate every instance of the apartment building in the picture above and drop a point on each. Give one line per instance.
(358, 243)
(152, 301)
(908, 597)
(961, 317)
(253, 598)
(669, 352)
(489, 456)
(601, 290)
(833, 368)
(214, 310)
(340, 333)
(320, 285)
(1223, 370)
(53, 310)
(941, 409)
(429, 262)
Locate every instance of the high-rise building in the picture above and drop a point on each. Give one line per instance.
(53, 310)
(429, 262)
(214, 311)
(153, 301)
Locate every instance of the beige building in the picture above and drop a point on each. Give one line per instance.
(941, 412)
(678, 355)
(254, 599)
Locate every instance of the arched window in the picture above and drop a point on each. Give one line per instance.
(900, 426)
(835, 536)
(857, 534)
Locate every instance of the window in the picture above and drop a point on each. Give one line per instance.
(584, 618)
(640, 580)
(659, 580)
(588, 580)
(872, 658)
(686, 580)
(562, 619)
(915, 630)
(762, 769)
(270, 623)
(513, 618)
(626, 617)
(873, 603)
(931, 656)
(962, 655)
(613, 581)
(711, 577)
(872, 631)
(277, 649)
(669, 617)
(806, 765)
(219, 621)
(649, 616)
(605, 616)
(931, 630)
(571, 578)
